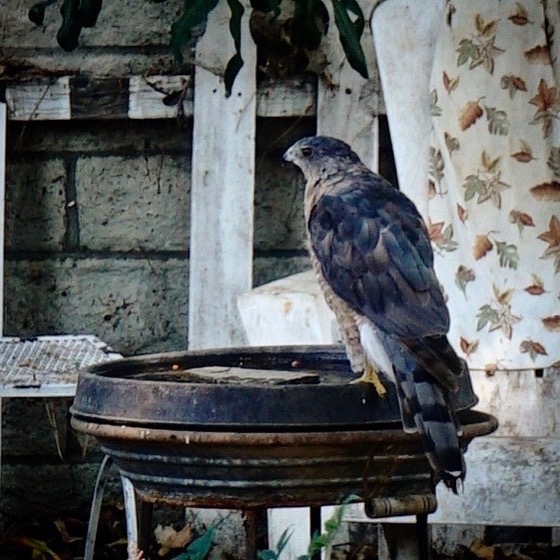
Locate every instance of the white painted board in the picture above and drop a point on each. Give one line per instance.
(40, 102)
(404, 33)
(223, 169)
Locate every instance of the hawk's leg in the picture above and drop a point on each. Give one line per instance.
(371, 375)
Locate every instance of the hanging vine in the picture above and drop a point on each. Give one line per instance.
(305, 28)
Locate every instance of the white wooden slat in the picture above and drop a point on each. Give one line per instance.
(221, 245)
(297, 522)
(40, 102)
(289, 98)
(347, 104)
(146, 95)
(510, 481)
(524, 404)
(405, 60)
(274, 99)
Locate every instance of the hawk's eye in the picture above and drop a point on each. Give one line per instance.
(306, 152)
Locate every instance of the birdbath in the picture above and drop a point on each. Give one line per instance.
(254, 428)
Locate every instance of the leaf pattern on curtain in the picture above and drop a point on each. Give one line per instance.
(494, 180)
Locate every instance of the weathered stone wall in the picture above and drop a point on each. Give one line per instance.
(130, 37)
(97, 231)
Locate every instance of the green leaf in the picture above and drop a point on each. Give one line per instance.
(283, 540)
(266, 555)
(467, 50)
(553, 161)
(497, 121)
(435, 109)
(195, 12)
(507, 255)
(89, 11)
(267, 6)
(350, 33)
(39, 548)
(69, 31)
(235, 63)
(308, 24)
(36, 13)
(486, 314)
(474, 185)
(199, 548)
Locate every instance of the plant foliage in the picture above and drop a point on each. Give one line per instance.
(305, 28)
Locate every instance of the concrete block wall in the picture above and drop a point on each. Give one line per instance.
(97, 241)
(130, 37)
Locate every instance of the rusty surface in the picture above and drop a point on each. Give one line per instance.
(158, 391)
(247, 446)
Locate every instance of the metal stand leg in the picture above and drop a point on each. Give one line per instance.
(315, 526)
(398, 542)
(129, 494)
(422, 529)
(145, 511)
(250, 520)
(98, 492)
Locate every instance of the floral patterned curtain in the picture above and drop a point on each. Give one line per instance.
(494, 187)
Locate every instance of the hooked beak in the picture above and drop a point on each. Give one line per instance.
(288, 155)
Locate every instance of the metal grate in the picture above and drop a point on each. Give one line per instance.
(47, 365)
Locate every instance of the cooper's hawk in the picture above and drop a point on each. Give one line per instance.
(372, 255)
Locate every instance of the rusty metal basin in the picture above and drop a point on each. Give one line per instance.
(311, 440)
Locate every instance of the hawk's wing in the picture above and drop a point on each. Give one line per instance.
(375, 253)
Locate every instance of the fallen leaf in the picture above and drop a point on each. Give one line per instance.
(168, 538)
(482, 551)
(64, 534)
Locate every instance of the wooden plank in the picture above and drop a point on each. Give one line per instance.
(223, 169)
(152, 97)
(149, 97)
(510, 481)
(347, 104)
(99, 98)
(288, 98)
(526, 405)
(405, 60)
(297, 522)
(34, 102)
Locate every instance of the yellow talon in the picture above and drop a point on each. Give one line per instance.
(370, 375)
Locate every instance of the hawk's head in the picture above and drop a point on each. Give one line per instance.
(318, 156)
